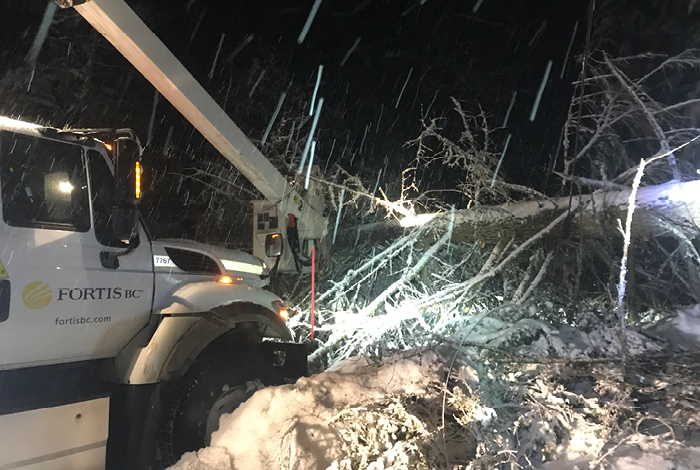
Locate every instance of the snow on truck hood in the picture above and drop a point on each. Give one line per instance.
(232, 260)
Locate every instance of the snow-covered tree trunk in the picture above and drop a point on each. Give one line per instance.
(593, 215)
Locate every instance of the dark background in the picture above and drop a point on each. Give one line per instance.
(477, 58)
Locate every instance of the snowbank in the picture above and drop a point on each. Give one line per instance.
(291, 426)
(398, 414)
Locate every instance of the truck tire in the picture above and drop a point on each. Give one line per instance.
(211, 387)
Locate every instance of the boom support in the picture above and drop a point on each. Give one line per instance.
(117, 22)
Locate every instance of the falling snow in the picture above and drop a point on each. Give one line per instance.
(41, 34)
(216, 56)
(309, 140)
(350, 51)
(536, 105)
(309, 21)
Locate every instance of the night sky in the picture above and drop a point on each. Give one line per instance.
(447, 49)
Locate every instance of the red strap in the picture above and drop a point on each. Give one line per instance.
(313, 290)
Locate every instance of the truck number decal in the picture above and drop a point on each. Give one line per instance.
(163, 262)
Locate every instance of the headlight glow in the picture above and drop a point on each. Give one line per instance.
(242, 267)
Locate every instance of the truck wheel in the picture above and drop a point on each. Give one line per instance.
(211, 388)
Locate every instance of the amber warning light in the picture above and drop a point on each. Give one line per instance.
(138, 180)
(225, 280)
(109, 146)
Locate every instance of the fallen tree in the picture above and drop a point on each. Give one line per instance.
(593, 215)
(546, 257)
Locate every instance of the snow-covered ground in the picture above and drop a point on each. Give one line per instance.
(556, 401)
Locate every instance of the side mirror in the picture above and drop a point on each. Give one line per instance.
(127, 195)
(273, 245)
(127, 172)
(127, 176)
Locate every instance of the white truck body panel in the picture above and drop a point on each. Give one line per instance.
(69, 326)
(72, 437)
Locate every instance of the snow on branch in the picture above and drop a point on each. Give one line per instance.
(473, 154)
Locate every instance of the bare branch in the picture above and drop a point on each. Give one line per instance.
(665, 147)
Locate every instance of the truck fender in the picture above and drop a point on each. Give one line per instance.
(191, 323)
(199, 297)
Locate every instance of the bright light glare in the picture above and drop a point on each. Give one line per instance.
(678, 193)
(225, 280)
(17, 124)
(239, 266)
(284, 313)
(65, 187)
(416, 220)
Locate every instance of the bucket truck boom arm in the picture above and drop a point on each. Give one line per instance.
(118, 23)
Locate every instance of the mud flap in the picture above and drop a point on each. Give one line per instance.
(289, 358)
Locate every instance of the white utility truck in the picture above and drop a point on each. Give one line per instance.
(120, 351)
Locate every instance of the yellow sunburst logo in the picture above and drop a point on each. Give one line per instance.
(37, 295)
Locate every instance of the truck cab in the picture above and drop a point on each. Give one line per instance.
(58, 196)
(88, 301)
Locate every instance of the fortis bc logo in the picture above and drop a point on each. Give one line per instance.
(37, 295)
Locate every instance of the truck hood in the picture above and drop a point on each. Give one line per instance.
(233, 261)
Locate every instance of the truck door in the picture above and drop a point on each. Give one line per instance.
(63, 304)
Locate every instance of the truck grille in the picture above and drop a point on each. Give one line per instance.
(193, 262)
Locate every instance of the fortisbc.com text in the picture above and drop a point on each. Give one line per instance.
(81, 320)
